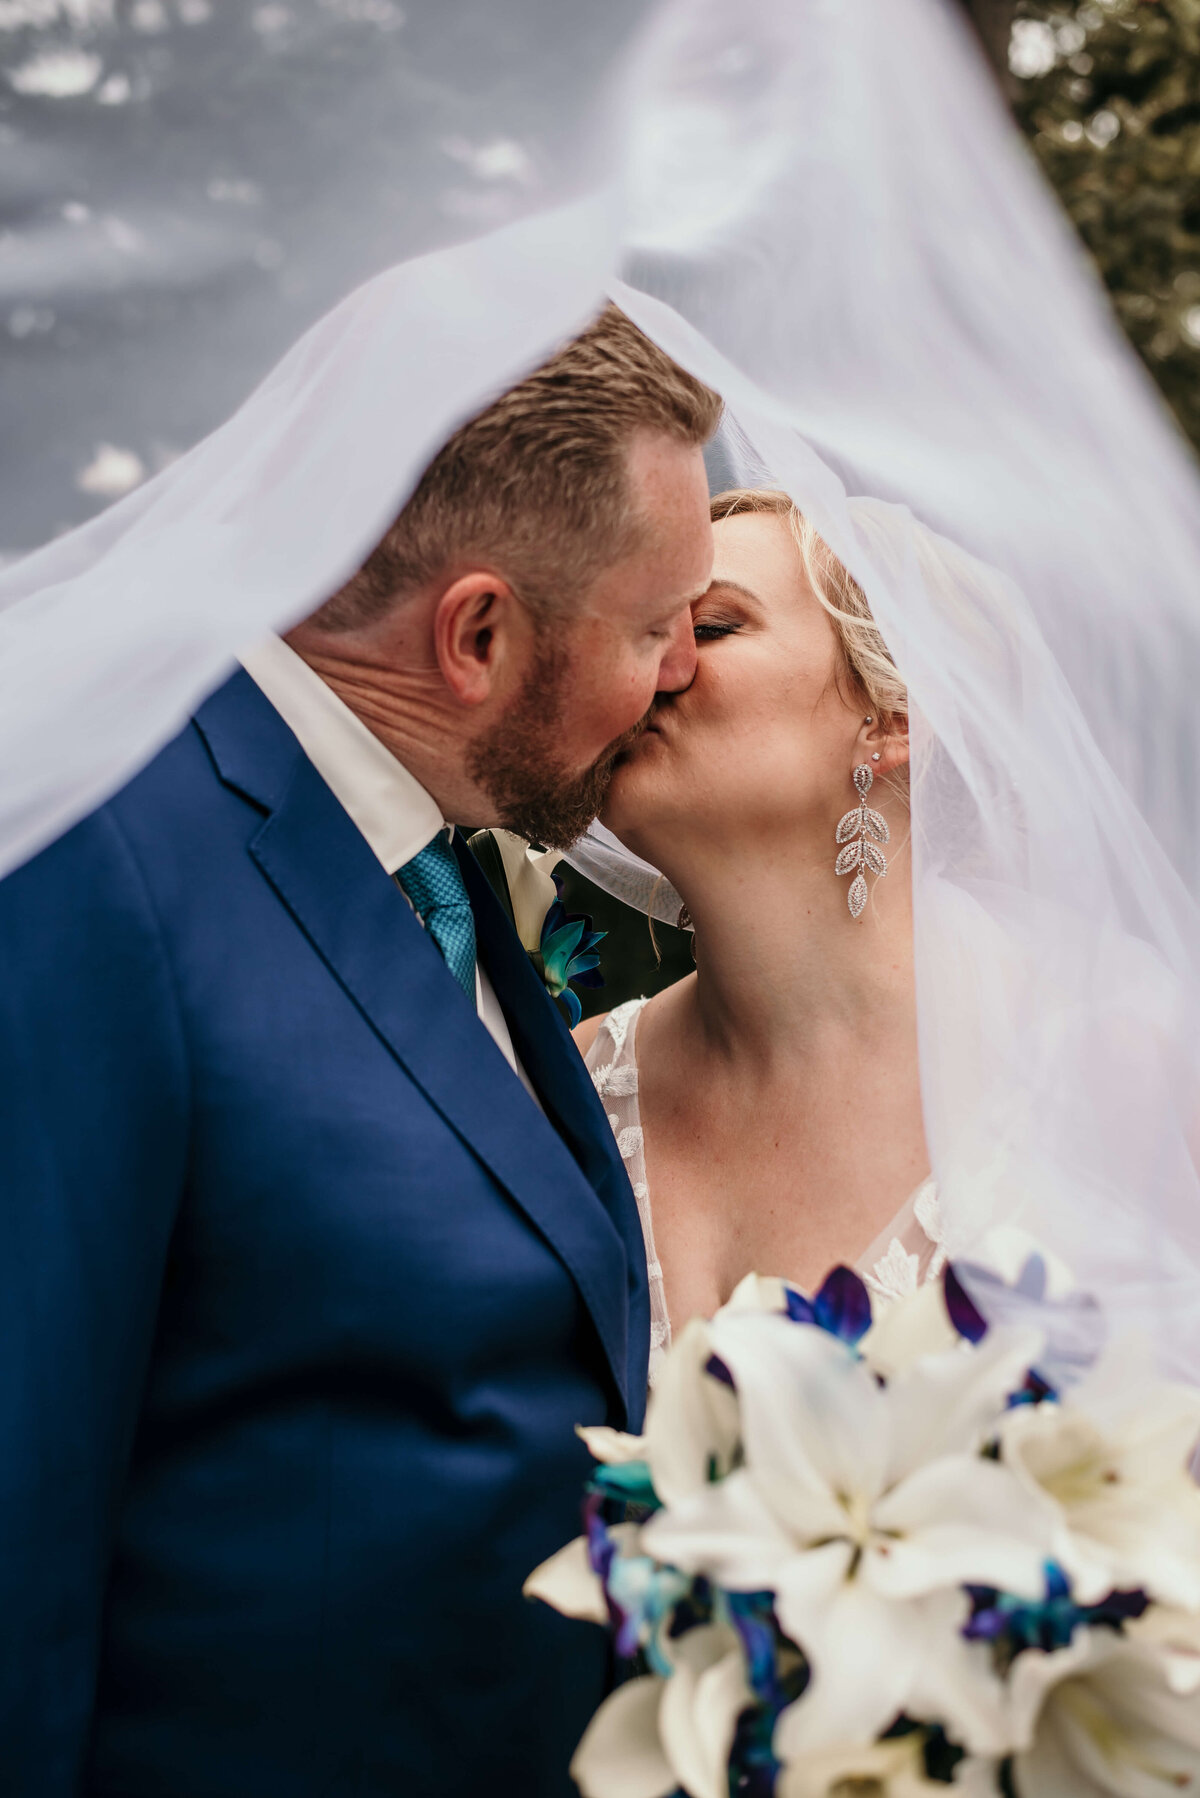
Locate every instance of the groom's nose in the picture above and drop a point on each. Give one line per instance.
(678, 666)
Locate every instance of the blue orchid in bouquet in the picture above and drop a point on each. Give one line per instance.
(1012, 1624)
(865, 1541)
(566, 954)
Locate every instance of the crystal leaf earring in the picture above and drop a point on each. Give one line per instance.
(860, 832)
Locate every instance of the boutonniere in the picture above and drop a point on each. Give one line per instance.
(566, 954)
(562, 946)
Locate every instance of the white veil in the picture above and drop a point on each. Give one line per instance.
(820, 208)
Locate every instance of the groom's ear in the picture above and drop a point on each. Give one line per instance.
(475, 622)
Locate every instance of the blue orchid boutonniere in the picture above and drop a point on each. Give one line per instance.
(561, 947)
(566, 954)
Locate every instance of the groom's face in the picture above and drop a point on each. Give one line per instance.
(593, 676)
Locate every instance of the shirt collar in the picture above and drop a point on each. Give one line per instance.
(390, 807)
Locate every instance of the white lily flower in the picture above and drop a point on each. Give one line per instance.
(652, 1736)
(531, 888)
(975, 1779)
(1177, 1635)
(1111, 1464)
(613, 1447)
(907, 1329)
(756, 1292)
(864, 1510)
(693, 1426)
(567, 1583)
(1006, 1248)
(566, 1580)
(1109, 1715)
(881, 1769)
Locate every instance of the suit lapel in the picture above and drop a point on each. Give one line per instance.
(554, 1065)
(326, 875)
(560, 1078)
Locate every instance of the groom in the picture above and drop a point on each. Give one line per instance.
(315, 1244)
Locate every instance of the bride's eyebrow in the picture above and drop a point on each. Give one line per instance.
(724, 586)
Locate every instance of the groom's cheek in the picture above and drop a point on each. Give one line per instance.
(622, 706)
(610, 689)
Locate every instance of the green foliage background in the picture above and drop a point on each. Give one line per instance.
(1115, 124)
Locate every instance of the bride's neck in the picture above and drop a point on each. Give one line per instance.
(780, 961)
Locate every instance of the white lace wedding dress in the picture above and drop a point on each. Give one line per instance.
(904, 1255)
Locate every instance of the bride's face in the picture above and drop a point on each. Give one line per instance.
(765, 737)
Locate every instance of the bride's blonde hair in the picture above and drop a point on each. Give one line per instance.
(865, 658)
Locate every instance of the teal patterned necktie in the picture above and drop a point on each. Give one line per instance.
(434, 883)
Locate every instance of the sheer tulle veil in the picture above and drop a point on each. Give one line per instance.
(821, 209)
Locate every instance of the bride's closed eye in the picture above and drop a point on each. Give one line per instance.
(725, 609)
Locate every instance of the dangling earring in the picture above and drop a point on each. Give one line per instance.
(861, 831)
(684, 922)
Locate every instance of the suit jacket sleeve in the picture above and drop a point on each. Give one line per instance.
(93, 1148)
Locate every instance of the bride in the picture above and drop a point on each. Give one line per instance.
(768, 1106)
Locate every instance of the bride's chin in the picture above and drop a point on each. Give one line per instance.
(631, 805)
(621, 809)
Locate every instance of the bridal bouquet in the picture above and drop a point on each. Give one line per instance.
(860, 1556)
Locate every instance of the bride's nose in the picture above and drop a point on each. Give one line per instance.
(678, 666)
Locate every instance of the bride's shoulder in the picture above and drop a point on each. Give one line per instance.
(613, 1027)
(586, 1033)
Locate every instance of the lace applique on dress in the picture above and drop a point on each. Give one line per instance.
(616, 1025)
(927, 1210)
(613, 1067)
(915, 1251)
(896, 1274)
(620, 1082)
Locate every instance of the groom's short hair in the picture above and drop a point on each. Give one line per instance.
(537, 483)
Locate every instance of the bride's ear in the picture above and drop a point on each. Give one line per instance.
(884, 742)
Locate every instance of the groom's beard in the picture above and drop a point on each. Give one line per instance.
(517, 763)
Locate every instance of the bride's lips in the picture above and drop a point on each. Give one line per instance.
(630, 750)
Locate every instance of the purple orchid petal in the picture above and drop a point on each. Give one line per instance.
(1057, 1583)
(717, 1368)
(799, 1306)
(1074, 1323)
(843, 1306)
(985, 1626)
(601, 1547)
(967, 1319)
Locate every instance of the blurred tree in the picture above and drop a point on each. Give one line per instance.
(632, 963)
(1108, 92)
(993, 20)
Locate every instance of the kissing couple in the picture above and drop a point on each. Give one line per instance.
(331, 1236)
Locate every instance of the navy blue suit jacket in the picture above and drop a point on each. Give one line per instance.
(301, 1298)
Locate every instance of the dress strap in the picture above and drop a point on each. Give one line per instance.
(612, 1063)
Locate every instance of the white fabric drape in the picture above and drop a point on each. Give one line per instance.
(820, 208)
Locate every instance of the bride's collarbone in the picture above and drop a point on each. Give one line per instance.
(782, 1174)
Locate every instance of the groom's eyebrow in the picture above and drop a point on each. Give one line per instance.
(689, 599)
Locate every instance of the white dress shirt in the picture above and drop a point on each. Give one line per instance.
(390, 807)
